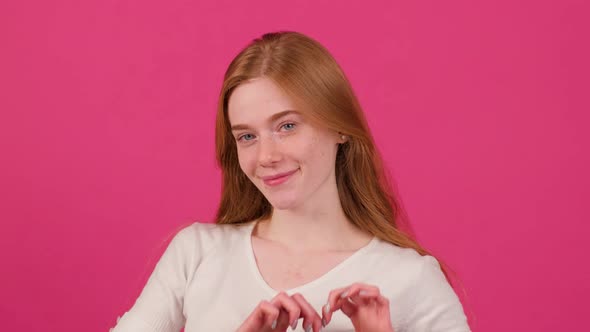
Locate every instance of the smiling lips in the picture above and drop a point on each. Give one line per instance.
(277, 179)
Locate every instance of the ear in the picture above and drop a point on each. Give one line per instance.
(342, 138)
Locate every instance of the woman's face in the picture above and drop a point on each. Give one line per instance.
(287, 158)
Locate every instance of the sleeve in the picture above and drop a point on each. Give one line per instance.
(435, 307)
(159, 307)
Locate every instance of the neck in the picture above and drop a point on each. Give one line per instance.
(322, 227)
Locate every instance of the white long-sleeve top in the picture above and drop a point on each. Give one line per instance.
(208, 280)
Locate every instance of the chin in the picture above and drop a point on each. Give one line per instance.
(282, 203)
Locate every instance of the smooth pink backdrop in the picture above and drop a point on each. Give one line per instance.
(107, 109)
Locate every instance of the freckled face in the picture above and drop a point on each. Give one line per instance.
(291, 161)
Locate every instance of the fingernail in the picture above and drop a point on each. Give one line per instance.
(344, 294)
(324, 322)
(274, 324)
(294, 325)
(363, 292)
(308, 328)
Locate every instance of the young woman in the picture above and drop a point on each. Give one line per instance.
(307, 233)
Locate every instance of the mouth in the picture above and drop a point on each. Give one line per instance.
(276, 179)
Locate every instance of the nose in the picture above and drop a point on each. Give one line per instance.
(268, 151)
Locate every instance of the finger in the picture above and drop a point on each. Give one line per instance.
(340, 293)
(373, 297)
(382, 301)
(269, 314)
(361, 288)
(370, 302)
(347, 301)
(331, 304)
(365, 296)
(290, 307)
(348, 307)
(282, 321)
(311, 319)
(262, 316)
(357, 291)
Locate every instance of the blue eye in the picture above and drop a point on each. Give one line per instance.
(246, 137)
(288, 126)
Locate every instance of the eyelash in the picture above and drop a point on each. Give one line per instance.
(240, 138)
(289, 123)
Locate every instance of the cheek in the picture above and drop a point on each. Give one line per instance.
(313, 156)
(247, 163)
(318, 150)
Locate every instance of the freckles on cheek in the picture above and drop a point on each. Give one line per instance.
(246, 164)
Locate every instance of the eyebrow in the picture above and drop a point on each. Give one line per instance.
(273, 118)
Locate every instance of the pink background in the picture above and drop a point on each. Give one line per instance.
(107, 109)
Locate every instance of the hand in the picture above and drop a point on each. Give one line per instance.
(363, 304)
(280, 313)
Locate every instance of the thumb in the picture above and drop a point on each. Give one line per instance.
(348, 307)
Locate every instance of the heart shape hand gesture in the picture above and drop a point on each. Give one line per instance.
(367, 309)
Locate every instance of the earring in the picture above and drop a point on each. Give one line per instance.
(343, 137)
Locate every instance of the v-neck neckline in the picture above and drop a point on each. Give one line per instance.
(333, 271)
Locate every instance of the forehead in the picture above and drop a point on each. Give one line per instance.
(257, 100)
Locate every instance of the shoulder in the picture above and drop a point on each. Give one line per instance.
(420, 292)
(195, 243)
(202, 237)
(407, 258)
(407, 265)
(211, 230)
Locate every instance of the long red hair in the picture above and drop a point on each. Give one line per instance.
(307, 72)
